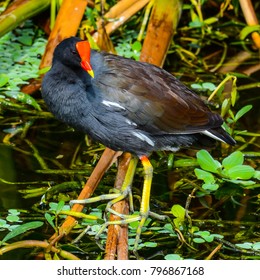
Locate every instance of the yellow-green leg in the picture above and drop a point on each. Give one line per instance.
(119, 195)
(145, 202)
(126, 190)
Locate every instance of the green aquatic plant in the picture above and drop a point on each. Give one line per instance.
(20, 55)
(232, 169)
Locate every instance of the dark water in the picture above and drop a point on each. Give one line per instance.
(30, 162)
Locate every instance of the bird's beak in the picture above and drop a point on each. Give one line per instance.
(83, 48)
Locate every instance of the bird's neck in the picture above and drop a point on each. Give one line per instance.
(72, 73)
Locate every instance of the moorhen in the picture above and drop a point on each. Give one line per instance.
(127, 105)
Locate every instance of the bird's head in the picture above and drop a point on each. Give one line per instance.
(74, 52)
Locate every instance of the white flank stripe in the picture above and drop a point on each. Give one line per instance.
(143, 137)
(169, 148)
(131, 123)
(114, 104)
(206, 132)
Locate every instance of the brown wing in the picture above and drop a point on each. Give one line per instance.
(151, 96)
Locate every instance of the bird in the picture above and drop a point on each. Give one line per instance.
(127, 105)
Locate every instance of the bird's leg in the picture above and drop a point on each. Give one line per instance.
(158, 216)
(95, 199)
(145, 207)
(115, 197)
(125, 190)
(145, 202)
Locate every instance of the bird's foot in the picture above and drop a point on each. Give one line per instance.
(110, 196)
(127, 219)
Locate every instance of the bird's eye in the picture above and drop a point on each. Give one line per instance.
(73, 51)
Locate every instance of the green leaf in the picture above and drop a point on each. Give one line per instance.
(257, 174)
(196, 86)
(49, 219)
(44, 70)
(136, 46)
(225, 107)
(207, 162)
(209, 86)
(209, 238)
(178, 222)
(173, 257)
(246, 245)
(168, 227)
(14, 212)
(206, 176)
(53, 206)
(217, 235)
(178, 211)
(241, 182)
(26, 40)
(210, 187)
(234, 92)
(23, 98)
(198, 240)
(248, 30)
(187, 162)
(206, 235)
(22, 229)
(3, 224)
(60, 206)
(3, 79)
(195, 23)
(256, 246)
(236, 158)
(243, 172)
(150, 244)
(12, 218)
(170, 161)
(242, 112)
(210, 20)
(202, 233)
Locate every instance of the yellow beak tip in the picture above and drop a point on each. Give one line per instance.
(91, 73)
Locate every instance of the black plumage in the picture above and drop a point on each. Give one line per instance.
(128, 105)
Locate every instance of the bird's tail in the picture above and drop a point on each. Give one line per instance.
(220, 134)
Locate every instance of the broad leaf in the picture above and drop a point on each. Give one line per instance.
(3, 79)
(178, 211)
(236, 158)
(173, 257)
(206, 176)
(243, 172)
(210, 187)
(207, 162)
